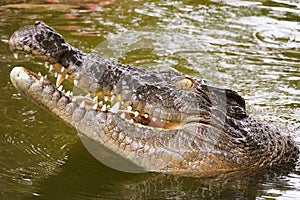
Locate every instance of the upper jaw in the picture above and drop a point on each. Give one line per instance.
(25, 41)
(38, 40)
(22, 41)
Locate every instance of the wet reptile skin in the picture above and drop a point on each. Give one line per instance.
(161, 121)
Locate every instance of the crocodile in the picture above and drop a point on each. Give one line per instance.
(159, 120)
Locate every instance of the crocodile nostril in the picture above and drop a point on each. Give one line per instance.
(37, 23)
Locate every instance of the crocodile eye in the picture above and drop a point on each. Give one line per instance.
(185, 82)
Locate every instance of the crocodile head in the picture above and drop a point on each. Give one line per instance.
(159, 120)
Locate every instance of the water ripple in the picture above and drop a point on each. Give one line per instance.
(249, 46)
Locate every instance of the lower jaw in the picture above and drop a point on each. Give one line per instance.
(105, 105)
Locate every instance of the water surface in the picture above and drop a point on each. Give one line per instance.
(249, 46)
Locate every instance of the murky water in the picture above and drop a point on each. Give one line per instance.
(249, 46)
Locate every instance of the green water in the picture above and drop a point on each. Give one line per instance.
(249, 46)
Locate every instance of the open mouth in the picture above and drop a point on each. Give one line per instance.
(91, 101)
(65, 62)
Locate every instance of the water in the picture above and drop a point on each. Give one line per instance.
(249, 46)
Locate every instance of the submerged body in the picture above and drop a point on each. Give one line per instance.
(161, 121)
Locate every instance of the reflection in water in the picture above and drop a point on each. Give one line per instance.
(249, 46)
(92, 183)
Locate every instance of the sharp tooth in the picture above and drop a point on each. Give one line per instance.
(62, 69)
(39, 74)
(27, 48)
(112, 97)
(67, 93)
(75, 82)
(146, 115)
(55, 74)
(60, 88)
(105, 98)
(71, 93)
(16, 55)
(131, 121)
(100, 103)
(42, 79)
(129, 108)
(95, 99)
(95, 106)
(50, 68)
(88, 95)
(136, 113)
(46, 76)
(82, 104)
(67, 76)
(115, 108)
(103, 108)
(59, 80)
(122, 115)
(47, 64)
(5, 41)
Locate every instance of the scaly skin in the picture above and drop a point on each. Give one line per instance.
(160, 121)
